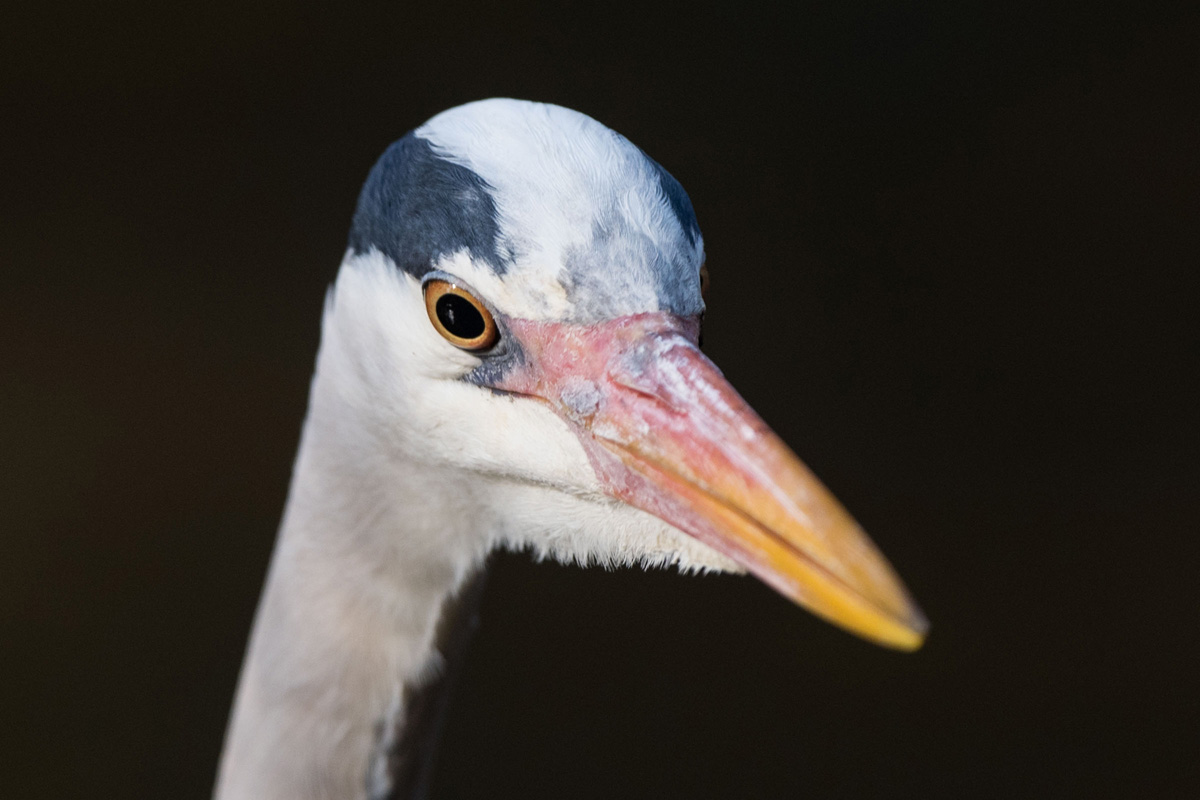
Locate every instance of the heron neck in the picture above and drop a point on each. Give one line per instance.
(346, 630)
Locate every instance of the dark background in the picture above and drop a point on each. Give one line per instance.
(953, 253)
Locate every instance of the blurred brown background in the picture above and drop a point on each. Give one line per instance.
(953, 251)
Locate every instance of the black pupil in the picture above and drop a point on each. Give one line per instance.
(460, 317)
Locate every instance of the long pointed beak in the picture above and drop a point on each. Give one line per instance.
(667, 433)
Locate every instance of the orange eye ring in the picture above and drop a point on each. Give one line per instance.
(459, 317)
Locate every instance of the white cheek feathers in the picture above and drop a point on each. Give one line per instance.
(596, 530)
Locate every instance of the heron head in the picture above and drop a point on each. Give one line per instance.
(520, 307)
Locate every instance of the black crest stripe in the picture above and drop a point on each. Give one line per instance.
(417, 206)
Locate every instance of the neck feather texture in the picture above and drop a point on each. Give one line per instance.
(371, 552)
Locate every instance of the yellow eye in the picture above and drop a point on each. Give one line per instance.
(459, 317)
(704, 280)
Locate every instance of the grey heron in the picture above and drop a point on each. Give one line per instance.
(509, 358)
